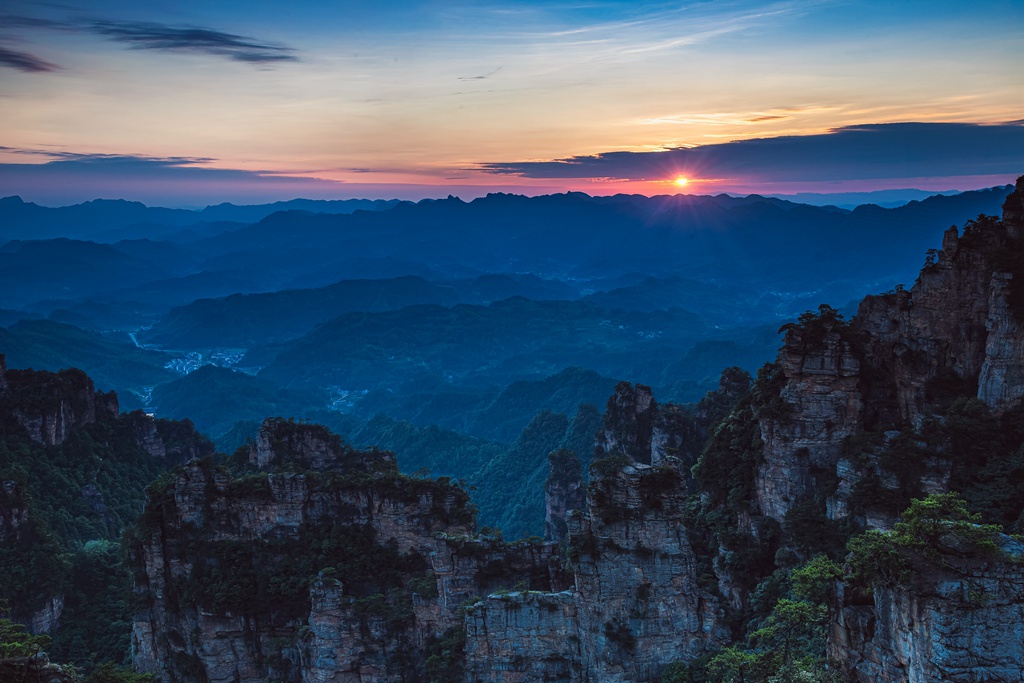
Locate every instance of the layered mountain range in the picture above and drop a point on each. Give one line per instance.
(847, 514)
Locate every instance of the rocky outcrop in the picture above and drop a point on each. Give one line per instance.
(16, 531)
(396, 560)
(399, 568)
(280, 443)
(634, 607)
(563, 493)
(47, 619)
(522, 637)
(13, 510)
(628, 423)
(956, 620)
(1001, 379)
(822, 406)
(900, 361)
(638, 603)
(48, 405)
(641, 430)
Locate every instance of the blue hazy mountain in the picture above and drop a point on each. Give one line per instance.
(109, 220)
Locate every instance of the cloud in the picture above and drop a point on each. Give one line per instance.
(24, 61)
(148, 36)
(481, 77)
(865, 152)
(70, 177)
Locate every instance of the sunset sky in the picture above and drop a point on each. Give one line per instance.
(188, 103)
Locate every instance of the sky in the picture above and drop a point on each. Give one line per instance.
(184, 103)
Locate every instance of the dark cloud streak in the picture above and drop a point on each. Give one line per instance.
(23, 61)
(147, 36)
(867, 152)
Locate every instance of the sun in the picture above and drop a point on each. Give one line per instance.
(682, 182)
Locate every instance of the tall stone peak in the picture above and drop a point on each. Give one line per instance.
(563, 492)
(282, 443)
(1013, 208)
(628, 423)
(49, 405)
(959, 329)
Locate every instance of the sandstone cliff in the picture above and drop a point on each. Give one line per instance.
(627, 607)
(957, 618)
(72, 470)
(893, 368)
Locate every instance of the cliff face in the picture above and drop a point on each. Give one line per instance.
(634, 605)
(49, 406)
(823, 406)
(71, 470)
(563, 493)
(399, 573)
(639, 604)
(629, 423)
(956, 331)
(395, 559)
(957, 620)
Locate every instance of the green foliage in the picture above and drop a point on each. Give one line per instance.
(731, 665)
(988, 457)
(927, 529)
(657, 483)
(446, 657)
(608, 465)
(47, 345)
(17, 644)
(815, 581)
(680, 672)
(34, 566)
(510, 488)
(811, 329)
(96, 621)
(785, 638)
(109, 673)
(218, 398)
(270, 577)
(18, 652)
(766, 393)
(441, 450)
(809, 529)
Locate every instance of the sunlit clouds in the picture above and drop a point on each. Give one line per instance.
(438, 96)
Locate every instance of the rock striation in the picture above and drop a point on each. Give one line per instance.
(893, 367)
(54, 420)
(627, 606)
(958, 619)
(49, 406)
(563, 493)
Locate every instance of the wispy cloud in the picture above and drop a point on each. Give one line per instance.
(875, 151)
(480, 77)
(73, 176)
(23, 61)
(147, 36)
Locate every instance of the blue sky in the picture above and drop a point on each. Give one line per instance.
(185, 102)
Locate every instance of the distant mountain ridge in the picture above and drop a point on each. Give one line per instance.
(113, 219)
